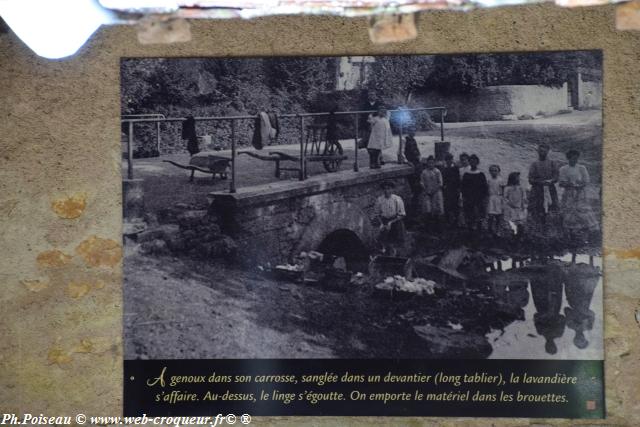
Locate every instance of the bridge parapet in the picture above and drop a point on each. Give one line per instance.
(274, 222)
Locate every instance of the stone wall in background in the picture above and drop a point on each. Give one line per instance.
(500, 102)
(531, 100)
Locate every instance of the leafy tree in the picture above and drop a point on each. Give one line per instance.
(397, 78)
(468, 73)
(301, 79)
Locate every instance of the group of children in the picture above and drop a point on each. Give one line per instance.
(464, 196)
(449, 189)
(455, 188)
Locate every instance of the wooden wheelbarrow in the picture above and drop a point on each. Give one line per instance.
(206, 163)
(277, 157)
(331, 161)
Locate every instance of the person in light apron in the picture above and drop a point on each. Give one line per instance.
(380, 137)
(390, 214)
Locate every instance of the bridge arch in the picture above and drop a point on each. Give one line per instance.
(346, 244)
(334, 222)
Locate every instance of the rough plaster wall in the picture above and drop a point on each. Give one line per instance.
(494, 102)
(533, 100)
(61, 288)
(590, 94)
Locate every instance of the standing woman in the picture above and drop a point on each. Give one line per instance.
(380, 137)
(474, 194)
(577, 216)
(189, 134)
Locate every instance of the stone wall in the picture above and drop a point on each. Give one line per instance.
(498, 102)
(531, 100)
(277, 222)
(61, 132)
(183, 230)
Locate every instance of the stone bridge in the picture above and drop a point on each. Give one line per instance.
(275, 222)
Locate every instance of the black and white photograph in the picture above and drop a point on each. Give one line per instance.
(363, 207)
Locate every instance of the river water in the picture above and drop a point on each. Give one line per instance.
(520, 339)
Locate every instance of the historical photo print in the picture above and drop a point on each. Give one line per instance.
(363, 207)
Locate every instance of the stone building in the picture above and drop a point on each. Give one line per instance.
(352, 72)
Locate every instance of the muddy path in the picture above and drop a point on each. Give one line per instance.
(180, 308)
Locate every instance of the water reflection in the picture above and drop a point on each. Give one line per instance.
(546, 289)
(580, 284)
(558, 318)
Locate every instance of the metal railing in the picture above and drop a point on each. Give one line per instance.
(301, 117)
(148, 116)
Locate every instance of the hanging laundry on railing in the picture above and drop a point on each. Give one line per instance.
(262, 131)
(189, 134)
(275, 124)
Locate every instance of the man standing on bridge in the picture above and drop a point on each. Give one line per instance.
(390, 213)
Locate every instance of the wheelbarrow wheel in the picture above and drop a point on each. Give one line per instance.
(333, 149)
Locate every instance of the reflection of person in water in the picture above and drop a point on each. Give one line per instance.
(519, 296)
(546, 290)
(580, 284)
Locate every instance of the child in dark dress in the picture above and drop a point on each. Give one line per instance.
(411, 150)
(412, 154)
(495, 201)
(451, 189)
(474, 193)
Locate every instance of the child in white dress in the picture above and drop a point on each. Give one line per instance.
(431, 179)
(494, 209)
(514, 199)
